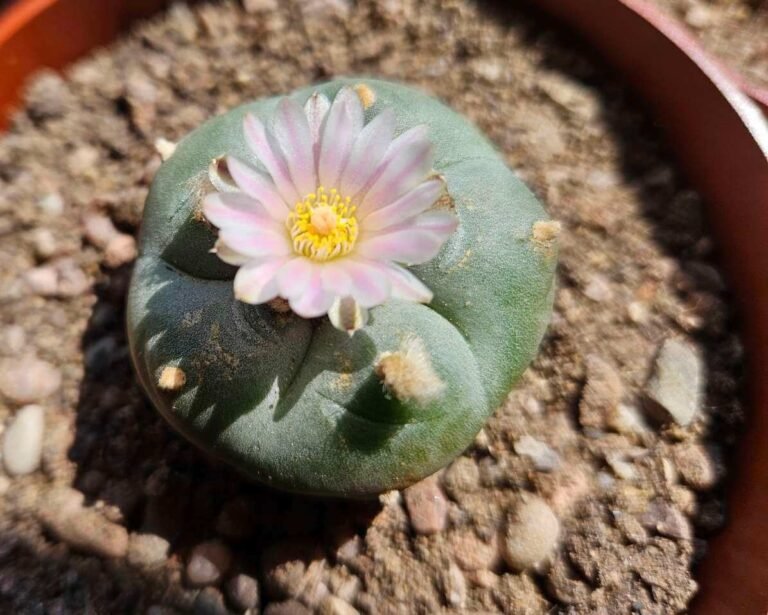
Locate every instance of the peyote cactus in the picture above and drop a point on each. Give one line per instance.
(327, 367)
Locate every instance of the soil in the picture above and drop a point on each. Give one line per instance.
(123, 516)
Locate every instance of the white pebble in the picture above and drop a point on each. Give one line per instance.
(676, 388)
(23, 441)
(531, 535)
(545, 459)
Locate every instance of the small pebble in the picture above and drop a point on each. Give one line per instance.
(120, 250)
(544, 458)
(52, 204)
(28, 380)
(598, 289)
(632, 529)
(455, 587)
(259, 6)
(348, 589)
(602, 394)
(318, 11)
(72, 280)
(13, 340)
(482, 442)
(209, 602)
(638, 312)
(42, 281)
(285, 568)
(85, 529)
(427, 506)
(471, 552)
(483, 578)
(208, 563)
(288, 607)
(666, 520)
(531, 534)
(147, 550)
(622, 468)
(349, 550)
(23, 441)
(676, 387)
(333, 605)
(164, 147)
(44, 244)
(99, 229)
(462, 476)
(627, 420)
(605, 480)
(488, 69)
(243, 592)
(695, 466)
(699, 16)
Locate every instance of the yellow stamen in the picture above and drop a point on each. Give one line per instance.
(323, 225)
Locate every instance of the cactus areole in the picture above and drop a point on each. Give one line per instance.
(336, 288)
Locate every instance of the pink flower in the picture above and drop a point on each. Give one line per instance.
(341, 207)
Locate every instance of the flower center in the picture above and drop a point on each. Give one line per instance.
(323, 225)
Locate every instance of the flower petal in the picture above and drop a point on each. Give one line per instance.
(407, 161)
(234, 209)
(256, 282)
(228, 255)
(346, 315)
(412, 203)
(294, 277)
(258, 186)
(316, 109)
(314, 301)
(367, 152)
(264, 242)
(369, 286)
(411, 245)
(336, 279)
(405, 285)
(444, 223)
(342, 126)
(262, 145)
(293, 134)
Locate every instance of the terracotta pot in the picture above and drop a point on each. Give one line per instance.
(718, 138)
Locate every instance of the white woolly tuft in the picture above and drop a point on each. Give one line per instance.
(408, 374)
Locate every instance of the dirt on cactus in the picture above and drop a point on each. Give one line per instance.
(594, 488)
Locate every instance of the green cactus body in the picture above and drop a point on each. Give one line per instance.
(298, 404)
